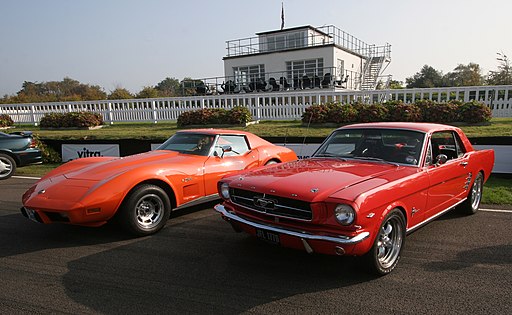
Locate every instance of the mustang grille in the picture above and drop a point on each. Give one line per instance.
(274, 205)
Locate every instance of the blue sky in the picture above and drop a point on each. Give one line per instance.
(132, 44)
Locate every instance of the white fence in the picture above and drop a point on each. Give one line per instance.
(288, 105)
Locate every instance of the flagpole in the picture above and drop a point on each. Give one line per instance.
(282, 15)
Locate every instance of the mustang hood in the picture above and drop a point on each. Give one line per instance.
(105, 169)
(312, 178)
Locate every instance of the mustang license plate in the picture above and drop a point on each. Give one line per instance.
(268, 236)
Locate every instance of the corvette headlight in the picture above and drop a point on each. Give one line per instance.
(224, 190)
(344, 214)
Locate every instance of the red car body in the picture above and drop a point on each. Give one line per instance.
(391, 179)
(145, 187)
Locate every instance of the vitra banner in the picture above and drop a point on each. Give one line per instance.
(76, 151)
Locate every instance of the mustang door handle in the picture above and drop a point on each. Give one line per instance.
(464, 163)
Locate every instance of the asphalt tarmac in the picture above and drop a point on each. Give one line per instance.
(198, 264)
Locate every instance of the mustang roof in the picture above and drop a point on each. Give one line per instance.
(424, 127)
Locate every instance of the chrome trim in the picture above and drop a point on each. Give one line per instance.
(270, 214)
(232, 197)
(198, 201)
(435, 216)
(340, 239)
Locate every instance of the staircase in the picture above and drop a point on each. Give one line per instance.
(377, 61)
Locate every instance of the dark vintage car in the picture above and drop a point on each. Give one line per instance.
(17, 149)
(362, 191)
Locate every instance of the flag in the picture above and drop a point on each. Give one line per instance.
(282, 15)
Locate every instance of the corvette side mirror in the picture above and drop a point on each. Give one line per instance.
(441, 159)
(226, 148)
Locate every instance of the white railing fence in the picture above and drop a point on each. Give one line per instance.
(285, 105)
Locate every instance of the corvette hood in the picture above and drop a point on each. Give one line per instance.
(105, 169)
(312, 179)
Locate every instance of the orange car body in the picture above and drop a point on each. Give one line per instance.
(89, 191)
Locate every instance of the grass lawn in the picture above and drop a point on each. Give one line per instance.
(160, 131)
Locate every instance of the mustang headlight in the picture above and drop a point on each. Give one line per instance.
(224, 190)
(344, 214)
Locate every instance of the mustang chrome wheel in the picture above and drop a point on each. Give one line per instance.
(472, 203)
(390, 242)
(145, 210)
(149, 211)
(476, 192)
(387, 247)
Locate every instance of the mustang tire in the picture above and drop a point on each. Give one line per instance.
(145, 210)
(7, 166)
(472, 203)
(387, 248)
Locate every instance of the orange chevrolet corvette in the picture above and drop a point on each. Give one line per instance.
(139, 191)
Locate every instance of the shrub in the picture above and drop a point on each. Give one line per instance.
(211, 116)
(329, 113)
(48, 153)
(371, 112)
(342, 113)
(474, 112)
(71, 120)
(6, 120)
(438, 112)
(399, 111)
(316, 113)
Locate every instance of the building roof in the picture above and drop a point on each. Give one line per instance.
(309, 27)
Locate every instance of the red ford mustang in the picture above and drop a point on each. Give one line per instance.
(141, 190)
(360, 193)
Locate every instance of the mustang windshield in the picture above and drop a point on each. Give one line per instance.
(189, 143)
(389, 145)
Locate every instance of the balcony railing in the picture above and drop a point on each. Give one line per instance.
(311, 78)
(253, 45)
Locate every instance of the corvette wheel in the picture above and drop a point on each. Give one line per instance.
(145, 211)
(7, 166)
(271, 162)
(385, 253)
(472, 203)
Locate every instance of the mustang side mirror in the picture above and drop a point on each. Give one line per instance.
(441, 159)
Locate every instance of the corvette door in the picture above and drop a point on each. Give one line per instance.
(231, 153)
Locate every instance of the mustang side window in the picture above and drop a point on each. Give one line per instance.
(445, 142)
(238, 145)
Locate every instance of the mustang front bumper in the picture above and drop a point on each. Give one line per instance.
(340, 241)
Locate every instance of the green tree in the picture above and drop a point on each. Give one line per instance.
(147, 92)
(465, 75)
(396, 85)
(120, 94)
(427, 77)
(503, 76)
(57, 91)
(168, 87)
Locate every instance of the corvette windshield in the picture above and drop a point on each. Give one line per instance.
(387, 145)
(189, 143)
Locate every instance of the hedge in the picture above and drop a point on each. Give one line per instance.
(71, 120)
(6, 120)
(213, 116)
(421, 111)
